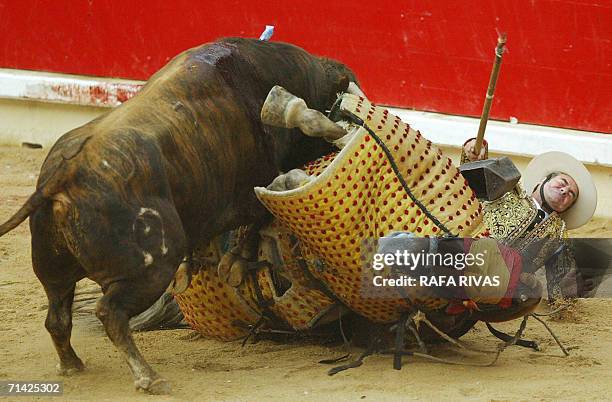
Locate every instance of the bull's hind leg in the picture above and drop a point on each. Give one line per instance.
(121, 301)
(58, 271)
(59, 325)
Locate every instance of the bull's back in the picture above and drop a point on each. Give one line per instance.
(252, 67)
(203, 110)
(207, 100)
(201, 114)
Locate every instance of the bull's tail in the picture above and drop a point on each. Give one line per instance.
(31, 205)
(53, 182)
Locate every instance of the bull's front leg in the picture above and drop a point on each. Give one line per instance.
(114, 310)
(159, 245)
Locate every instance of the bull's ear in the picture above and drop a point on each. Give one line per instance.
(337, 73)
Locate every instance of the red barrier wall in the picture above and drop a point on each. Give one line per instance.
(426, 55)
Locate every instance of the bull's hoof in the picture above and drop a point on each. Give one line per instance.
(158, 386)
(67, 370)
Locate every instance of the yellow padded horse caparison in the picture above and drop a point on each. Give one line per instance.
(220, 311)
(357, 197)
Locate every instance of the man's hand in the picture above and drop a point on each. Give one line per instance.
(470, 153)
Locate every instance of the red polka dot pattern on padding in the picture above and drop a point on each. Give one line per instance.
(357, 196)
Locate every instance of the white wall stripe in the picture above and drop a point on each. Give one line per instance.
(503, 137)
(70, 89)
(512, 139)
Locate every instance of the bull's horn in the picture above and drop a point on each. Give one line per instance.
(283, 109)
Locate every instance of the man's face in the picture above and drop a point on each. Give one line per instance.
(560, 192)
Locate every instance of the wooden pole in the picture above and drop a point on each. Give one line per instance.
(499, 51)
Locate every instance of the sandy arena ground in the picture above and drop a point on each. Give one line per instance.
(211, 370)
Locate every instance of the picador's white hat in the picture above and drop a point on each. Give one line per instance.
(549, 162)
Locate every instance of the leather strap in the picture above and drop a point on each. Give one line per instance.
(545, 205)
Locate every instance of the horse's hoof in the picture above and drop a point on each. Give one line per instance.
(225, 265)
(237, 273)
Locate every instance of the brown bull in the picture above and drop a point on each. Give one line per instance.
(121, 199)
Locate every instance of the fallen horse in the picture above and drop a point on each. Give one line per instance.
(314, 261)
